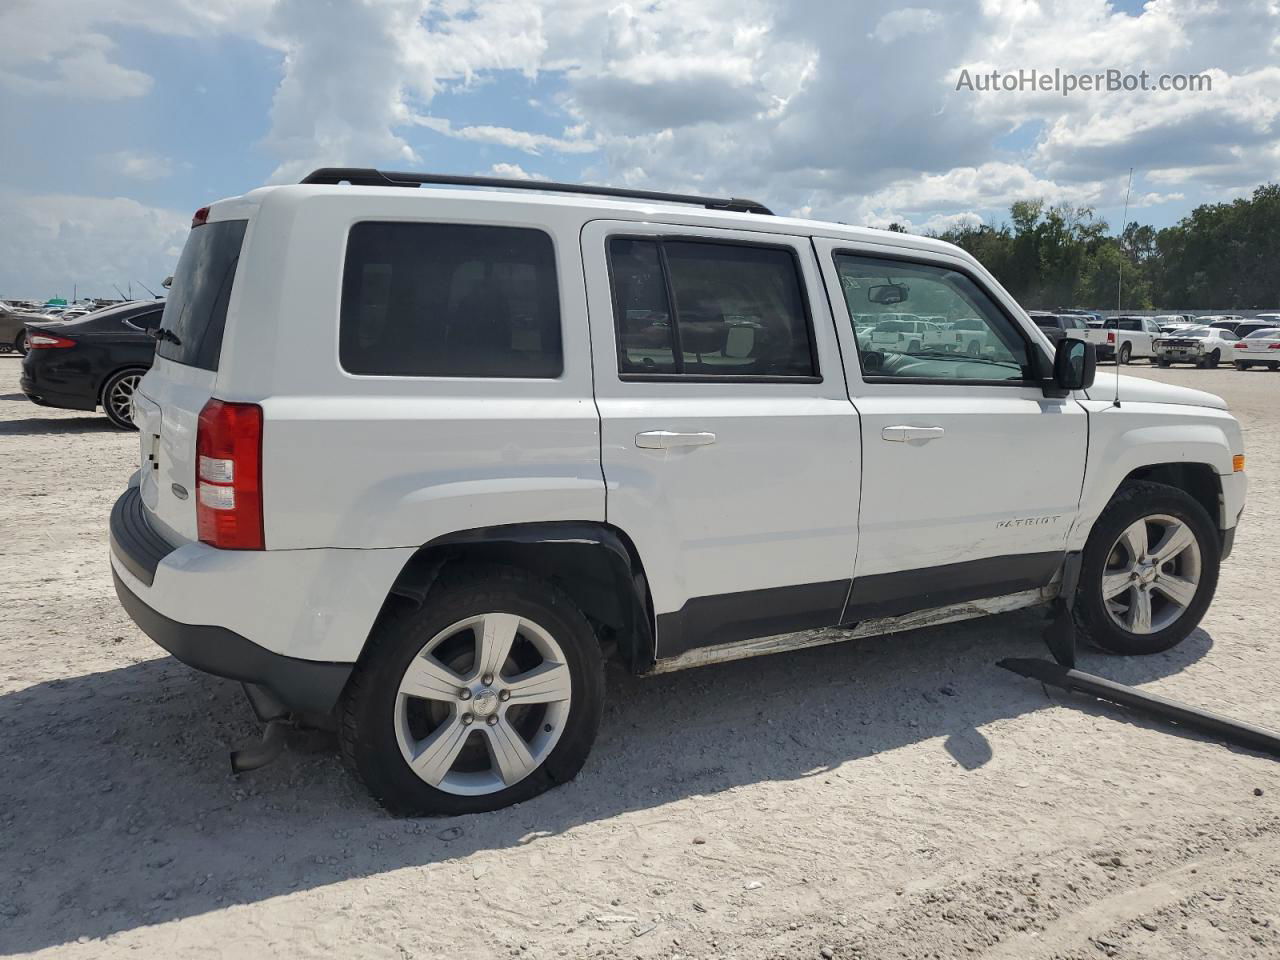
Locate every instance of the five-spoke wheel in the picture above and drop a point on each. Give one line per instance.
(486, 695)
(1149, 570)
(483, 704)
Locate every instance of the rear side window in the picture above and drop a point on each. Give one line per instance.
(145, 321)
(450, 300)
(705, 309)
(195, 313)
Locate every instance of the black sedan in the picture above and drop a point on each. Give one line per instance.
(94, 361)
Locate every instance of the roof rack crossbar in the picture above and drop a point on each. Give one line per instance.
(369, 177)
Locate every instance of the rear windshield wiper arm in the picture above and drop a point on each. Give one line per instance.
(160, 333)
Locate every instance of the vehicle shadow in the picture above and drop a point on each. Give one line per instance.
(118, 811)
(37, 426)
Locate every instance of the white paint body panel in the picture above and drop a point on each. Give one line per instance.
(773, 501)
(1006, 453)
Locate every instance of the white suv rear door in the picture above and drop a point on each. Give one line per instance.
(733, 460)
(971, 475)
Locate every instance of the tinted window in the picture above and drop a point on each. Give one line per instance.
(1046, 321)
(196, 309)
(978, 343)
(146, 321)
(1268, 334)
(450, 300)
(709, 309)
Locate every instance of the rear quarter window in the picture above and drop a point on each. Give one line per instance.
(195, 312)
(450, 300)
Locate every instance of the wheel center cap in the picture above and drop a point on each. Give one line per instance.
(485, 702)
(1147, 574)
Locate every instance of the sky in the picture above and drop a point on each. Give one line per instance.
(118, 118)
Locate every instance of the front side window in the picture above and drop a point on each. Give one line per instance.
(698, 308)
(449, 300)
(972, 339)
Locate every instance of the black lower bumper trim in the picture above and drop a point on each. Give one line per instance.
(133, 540)
(301, 685)
(1228, 541)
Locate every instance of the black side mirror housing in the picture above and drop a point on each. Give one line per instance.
(1075, 364)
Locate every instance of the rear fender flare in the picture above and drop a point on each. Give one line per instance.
(594, 563)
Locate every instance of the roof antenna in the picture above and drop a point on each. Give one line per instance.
(154, 295)
(1124, 220)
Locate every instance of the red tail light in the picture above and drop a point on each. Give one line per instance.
(201, 216)
(229, 475)
(1273, 346)
(1240, 345)
(1111, 338)
(48, 341)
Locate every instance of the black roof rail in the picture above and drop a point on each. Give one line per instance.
(369, 177)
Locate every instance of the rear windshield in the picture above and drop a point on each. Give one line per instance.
(1045, 321)
(196, 311)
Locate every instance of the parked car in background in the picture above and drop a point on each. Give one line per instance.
(1203, 346)
(13, 322)
(1228, 321)
(94, 361)
(1259, 348)
(1056, 325)
(1129, 338)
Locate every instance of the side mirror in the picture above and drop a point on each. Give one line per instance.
(1075, 363)
(887, 293)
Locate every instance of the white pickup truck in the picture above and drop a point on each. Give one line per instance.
(1129, 338)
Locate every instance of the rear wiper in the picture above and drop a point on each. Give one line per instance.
(160, 333)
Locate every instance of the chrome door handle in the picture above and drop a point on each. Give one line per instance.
(906, 434)
(667, 439)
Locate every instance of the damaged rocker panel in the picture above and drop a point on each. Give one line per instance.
(952, 613)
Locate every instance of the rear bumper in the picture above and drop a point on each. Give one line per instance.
(39, 392)
(301, 685)
(293, 621)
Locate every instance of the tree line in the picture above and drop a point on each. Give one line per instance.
(1221, 255)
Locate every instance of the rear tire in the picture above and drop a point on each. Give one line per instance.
(1152, 606)
(1212, 360)
(117, 397)
(498, 747)
(1126, 351)
(1162, 363)
(1241, 365)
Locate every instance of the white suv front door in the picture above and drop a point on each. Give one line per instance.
(731, 453)
(971, 475)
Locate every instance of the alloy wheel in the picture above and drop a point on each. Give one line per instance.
(1152, 574)
(483, 704)
(120, 396)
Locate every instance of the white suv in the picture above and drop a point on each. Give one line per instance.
(418, 461)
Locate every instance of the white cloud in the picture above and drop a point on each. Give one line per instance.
(138, 164)
(524, 140)
(59, 48)
(903, 23)
(513, 171)
(54, 241)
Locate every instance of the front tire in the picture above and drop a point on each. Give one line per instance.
(20, 342)
(487, 695)
(117, 397)
(1149, 570)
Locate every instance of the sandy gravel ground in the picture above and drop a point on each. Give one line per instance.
(897, 798)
